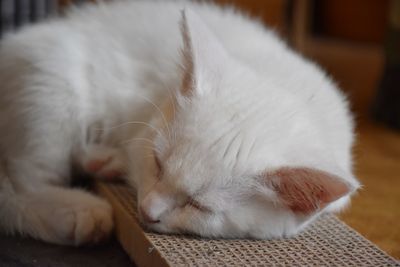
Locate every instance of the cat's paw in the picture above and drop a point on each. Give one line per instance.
(103, 162)
(83, 224)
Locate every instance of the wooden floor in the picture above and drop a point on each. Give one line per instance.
(375, 211)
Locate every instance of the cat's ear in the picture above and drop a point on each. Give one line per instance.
(204, 57)
(306, 190)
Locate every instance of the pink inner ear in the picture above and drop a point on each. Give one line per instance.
(305, 190)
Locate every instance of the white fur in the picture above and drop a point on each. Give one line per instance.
(103, 83)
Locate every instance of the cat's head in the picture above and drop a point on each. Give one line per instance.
(236, 156)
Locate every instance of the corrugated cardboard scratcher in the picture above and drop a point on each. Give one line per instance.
(328, 242)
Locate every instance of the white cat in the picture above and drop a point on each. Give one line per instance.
(223, 130)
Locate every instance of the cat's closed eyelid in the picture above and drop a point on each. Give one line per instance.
(196, 205)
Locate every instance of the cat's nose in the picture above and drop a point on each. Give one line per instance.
(146, 217)
(153, 207)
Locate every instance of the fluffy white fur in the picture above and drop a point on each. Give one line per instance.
(223, 129)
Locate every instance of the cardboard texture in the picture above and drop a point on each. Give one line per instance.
(327, 242)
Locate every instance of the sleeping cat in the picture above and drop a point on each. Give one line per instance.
(223, 130)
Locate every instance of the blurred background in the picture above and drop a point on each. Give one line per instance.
(358, 43)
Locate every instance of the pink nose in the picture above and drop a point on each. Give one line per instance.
(146, 217)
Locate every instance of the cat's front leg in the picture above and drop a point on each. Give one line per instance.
(57, 215)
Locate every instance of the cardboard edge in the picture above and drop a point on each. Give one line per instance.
(130, 234)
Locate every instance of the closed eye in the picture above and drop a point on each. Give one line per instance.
(196, 205)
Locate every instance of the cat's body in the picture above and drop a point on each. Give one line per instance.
(95, 89)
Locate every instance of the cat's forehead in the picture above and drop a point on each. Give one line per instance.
(209, 155)
(239, 137)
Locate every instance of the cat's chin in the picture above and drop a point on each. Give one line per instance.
(162, 229)
(260, 235)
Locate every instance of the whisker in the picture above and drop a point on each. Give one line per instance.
(148, 148)
(129, 123)
(161, 113)
(149, 156)
(136, 139)
(152, 148)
